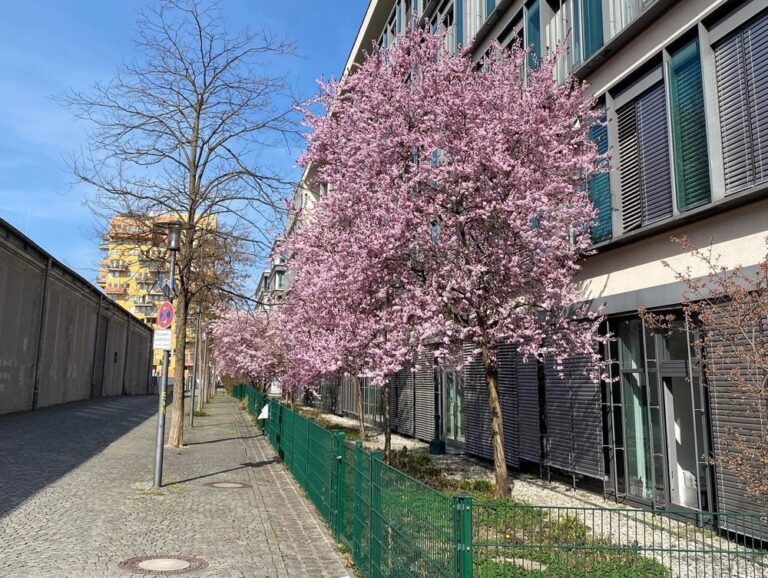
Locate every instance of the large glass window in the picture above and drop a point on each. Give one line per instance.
(599, 187)
(689, 129)
(634, 390)
(592, 16)
(533, 32)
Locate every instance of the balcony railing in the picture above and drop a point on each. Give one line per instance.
(115, 289)
(117, 265)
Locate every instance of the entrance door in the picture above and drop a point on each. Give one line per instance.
(453, 410)
(657, 417)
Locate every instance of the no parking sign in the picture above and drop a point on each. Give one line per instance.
(165, 315)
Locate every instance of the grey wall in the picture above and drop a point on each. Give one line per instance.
(48, 326)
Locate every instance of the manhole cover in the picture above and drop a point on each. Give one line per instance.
(227, 485)
(163, 565)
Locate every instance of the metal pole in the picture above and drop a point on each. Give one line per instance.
(204, 375)
(194, 370)
(160, 439)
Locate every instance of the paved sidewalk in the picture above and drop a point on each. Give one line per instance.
(74, 502)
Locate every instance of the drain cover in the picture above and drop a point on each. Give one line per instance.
(163, 565)
(227, 485)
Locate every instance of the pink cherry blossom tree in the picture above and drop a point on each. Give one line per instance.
(246, 345)
(456, 213)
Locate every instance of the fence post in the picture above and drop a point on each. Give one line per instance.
(340, 451)
(310, 421)
(462, 535)
(375, 515)
(357, 526)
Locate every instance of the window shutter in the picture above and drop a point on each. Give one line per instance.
(599, 187)
(689, 132)
(756, 49)
(741, 60)
(646, 187)
(734, 114)
(655, 170)
(630, 167)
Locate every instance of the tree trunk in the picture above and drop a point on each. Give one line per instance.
(176, 433)
(387, 422)
(497, 426)
(360, 414)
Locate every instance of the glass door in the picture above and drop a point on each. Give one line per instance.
(453, 410)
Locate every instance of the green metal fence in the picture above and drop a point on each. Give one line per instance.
(395, 526)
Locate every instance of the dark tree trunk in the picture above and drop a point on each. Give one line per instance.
(360, 411)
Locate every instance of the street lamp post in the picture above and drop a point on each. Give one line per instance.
(173, 242)
(194, 368)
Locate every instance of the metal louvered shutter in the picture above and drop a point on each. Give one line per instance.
(574, 418)
(507, 386)
(646, 185)
(741, 62)
(404, 392)
(629, 155)
(424, 397)
(529, 431)
(730, 412)
(655, 173)
(734, 114)
(477, 418)
(689, 128)
(756, 44)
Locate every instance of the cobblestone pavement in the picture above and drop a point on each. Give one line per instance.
(75, 499)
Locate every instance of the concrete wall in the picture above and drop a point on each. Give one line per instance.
(49, 319)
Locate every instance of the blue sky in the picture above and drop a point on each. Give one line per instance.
(48, 47)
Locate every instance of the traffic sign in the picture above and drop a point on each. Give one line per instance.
(162, 339)
(165, 315)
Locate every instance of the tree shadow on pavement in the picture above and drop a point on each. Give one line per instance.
(39, 447)
(240, 467)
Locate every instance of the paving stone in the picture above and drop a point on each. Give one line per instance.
(75, 499)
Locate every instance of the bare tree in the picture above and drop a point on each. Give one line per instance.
(180, 133)
(730, 308)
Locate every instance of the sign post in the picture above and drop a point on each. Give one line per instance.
(162, 340)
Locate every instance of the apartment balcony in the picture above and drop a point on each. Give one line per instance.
(117, 265)
(101, 280)
(156, 290)
(115, 290)
(145, 277)
(145, 306)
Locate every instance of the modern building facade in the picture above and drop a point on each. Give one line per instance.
(685, 88)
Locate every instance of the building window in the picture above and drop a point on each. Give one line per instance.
(445, 20)
(741, 62)
(533, 33)
(646, 185)
(599, 187)
(279, 280)
(658, 416)
(689, 129)
(557, 27)
(620, 14)
(592, 25)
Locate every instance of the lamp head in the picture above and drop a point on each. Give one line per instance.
(173, 239)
